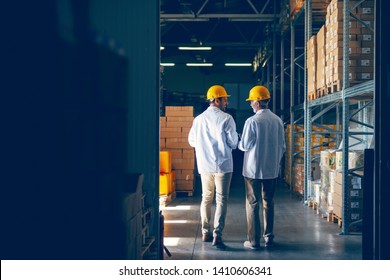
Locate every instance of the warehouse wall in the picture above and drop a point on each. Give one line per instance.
(198, 79)
(190, 84)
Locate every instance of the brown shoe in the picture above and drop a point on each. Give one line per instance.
(217, 242)
(207, 238)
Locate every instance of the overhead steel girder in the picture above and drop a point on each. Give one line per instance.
(233, 17)
(198, 16)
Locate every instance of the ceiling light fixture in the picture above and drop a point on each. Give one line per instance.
(167, 64)
(162, 48)
(199, 64)
(194, 48)
(238, 64)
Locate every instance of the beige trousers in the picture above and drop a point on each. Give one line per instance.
(259, 191)
(218, 183)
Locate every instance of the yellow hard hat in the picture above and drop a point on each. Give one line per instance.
(216, 92)
(258, 93)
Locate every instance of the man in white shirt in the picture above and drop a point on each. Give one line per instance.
(263, 142)
(213, 135)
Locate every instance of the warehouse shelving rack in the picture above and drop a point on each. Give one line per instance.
(293, 114)
(340, 101)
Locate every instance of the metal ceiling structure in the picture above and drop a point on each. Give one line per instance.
(235, 29)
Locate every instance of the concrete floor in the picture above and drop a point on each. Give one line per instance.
(300, 233)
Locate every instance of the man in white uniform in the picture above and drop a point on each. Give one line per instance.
(263, 142)
(213, 135)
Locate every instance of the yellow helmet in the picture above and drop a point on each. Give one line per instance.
(216, 92)
(258, 93)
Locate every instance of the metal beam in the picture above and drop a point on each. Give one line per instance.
(201, 8)
(193, 17)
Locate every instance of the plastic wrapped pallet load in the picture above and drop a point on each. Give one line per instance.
(355, 159)
(328, 158)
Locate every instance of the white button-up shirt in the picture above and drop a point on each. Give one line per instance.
(213, 135)
(264, 144)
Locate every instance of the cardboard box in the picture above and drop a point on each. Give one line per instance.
(162, 143)
(186, 131)
(176, 153)
(328, 158)
(184, 185)
(355, 159)
(170, 132)
(179, 111)
(338, 188)
(332, 177)
(163, 122)
(179, 124)
(337, 210)
(180, 119)
(177, 143)
(185, 174)
(354, 183)
(183, 163)
(188, 154)
(172, 135)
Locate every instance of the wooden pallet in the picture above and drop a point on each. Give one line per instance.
(313, 205)
(318, 93)
(184, 193)
(322, 92)
(312, 95)
(334, 219)
(335, 86)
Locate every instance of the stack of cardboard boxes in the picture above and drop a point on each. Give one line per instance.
(361, 42)
(174, 130)
(319, 141)
(320, 67)
(328, 74)
(311, 67)
(331, 181)
(318, 8)
(289, 159)
(354, 209)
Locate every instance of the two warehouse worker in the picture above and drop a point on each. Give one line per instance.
(214, 136)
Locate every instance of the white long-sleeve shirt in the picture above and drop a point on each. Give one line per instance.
(264, 144)
(213, 135)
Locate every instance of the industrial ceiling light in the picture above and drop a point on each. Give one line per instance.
(167, 64)
(194, 48)
(162, 48)
(238, 64)
(199, 64)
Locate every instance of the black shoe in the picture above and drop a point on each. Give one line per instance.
(217, 242)
(269, 244)
(207, 238)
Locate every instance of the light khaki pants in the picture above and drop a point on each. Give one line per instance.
(220, 184)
